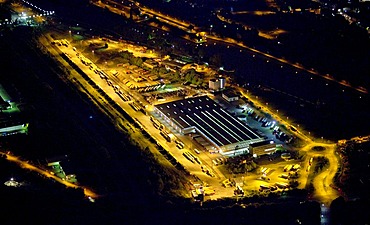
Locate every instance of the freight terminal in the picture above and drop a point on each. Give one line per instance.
(203, 116)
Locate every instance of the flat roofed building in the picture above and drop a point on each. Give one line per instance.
(214, 84)
(151, 64)
(230, 95)
(262, 148)
(217, 84)
(204, 116)
(11, 118)
(173, 65)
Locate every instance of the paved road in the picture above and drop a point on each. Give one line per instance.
(24, 164)
(322, 182)
(183, 25)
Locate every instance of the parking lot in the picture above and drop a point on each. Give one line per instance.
(140, 88)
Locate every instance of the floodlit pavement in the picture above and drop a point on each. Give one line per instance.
(270, 35)
(323, 182)
(324, 193)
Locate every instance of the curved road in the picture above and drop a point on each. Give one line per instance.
(322, 183)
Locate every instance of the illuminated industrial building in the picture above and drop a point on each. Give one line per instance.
(205, 117)
(11, 121)
(217, 84)
(262, 148)
(230, 95)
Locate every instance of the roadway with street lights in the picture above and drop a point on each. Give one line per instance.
(26, 165)
(321, 182)
(323, 192)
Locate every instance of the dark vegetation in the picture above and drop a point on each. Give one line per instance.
(321, 163)
(353, 181)
(348, 212)
(318, 148)
(355, 175)
(327, 48)
(42, 201)
(325, 42)
(129, 178)
(241, 164)
(99, 155)
(135, 188)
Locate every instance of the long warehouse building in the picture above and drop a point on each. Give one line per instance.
(11, 118)
(204, 116)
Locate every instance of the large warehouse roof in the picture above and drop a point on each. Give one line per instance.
(209, 118)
